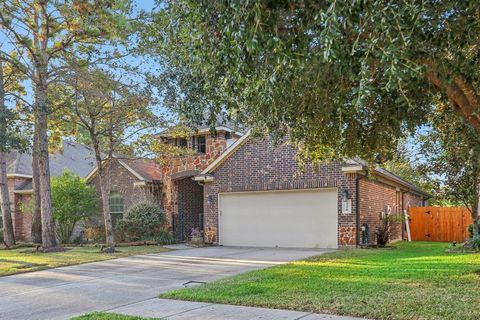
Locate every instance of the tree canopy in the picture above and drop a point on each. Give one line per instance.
(341, 78)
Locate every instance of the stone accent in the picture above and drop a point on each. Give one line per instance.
(210, 234)
(215, 146)
(260, 166)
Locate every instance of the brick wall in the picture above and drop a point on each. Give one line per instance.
(122, 181)
(377, 197)
(21, 210)
(259, 166)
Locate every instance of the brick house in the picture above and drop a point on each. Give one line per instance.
(244, 191)
(254, 195)
(72, 156)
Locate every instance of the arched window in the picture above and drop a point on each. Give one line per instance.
(116, 206)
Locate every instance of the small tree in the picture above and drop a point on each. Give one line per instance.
(73, 201)
(111, 111)
(452, 152)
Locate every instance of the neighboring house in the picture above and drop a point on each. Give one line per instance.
(131, 181)
(75, 157)
(243, 191)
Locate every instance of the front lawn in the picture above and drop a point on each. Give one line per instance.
(26, 259)
(109, 316)
(412, 281)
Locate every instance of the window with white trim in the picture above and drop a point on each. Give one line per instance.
(116, 206)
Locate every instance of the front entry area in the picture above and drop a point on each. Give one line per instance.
(189, 208)
(290, 219)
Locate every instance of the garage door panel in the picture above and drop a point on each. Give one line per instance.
(303, 219)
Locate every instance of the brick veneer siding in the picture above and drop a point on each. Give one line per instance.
(122, 181)
(20, 208)
(259, 166)
(376, 197)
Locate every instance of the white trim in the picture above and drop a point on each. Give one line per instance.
(140, 184)
(353, 169)
(224, 156)
(18, 175)
(23, 191)
(91, 174)
(219, 128)
(204, 178)
(94, 171)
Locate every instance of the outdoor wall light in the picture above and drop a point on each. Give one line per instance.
(210, 199)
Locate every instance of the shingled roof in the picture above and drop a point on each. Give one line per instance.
(75, 157)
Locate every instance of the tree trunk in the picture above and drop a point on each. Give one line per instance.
(8, 234)
(475, 218)
(105, 193)
(36, 210)
(41, 122)
(104, 182)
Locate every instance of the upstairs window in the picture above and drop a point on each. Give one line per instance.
(180, 142)
(199, 144)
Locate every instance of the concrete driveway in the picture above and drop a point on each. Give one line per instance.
(65, 292)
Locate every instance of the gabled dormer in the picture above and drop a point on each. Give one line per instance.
(201, 140)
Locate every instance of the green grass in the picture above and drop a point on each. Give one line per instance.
(25, 259)
(109, 316)
(412, 281)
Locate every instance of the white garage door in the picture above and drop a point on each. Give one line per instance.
(295, 219)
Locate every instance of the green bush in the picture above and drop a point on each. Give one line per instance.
(144, 221)
(1, 235)
(72, 201)
(475, 243)
(165, 237)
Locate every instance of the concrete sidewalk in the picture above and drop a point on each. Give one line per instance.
(180, 310)
(70, 291)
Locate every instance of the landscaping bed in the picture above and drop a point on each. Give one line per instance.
(27, 259)
(418, 280)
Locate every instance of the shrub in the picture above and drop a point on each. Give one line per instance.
(475, 243)
(1, 235)
(72, 201)
(95, 234)
(470, 230)
(384, 230)
(143, 221)
(165, 237)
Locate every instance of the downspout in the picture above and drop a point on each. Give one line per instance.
(357, 205)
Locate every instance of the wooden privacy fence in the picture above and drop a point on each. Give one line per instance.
(442, 224)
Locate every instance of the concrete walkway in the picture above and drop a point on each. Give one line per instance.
(65, 292)
(182, 310)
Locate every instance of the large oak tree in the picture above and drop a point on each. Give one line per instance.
(340, 78)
